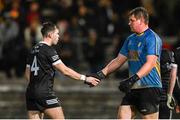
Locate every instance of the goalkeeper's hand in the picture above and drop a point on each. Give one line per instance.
(171, 103)
(99, 75)
(125, 85)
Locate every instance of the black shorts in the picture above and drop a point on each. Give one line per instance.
(145, 100)
(164, 111)
(40, 104)
(176, 91)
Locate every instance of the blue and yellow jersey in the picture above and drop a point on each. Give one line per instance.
(136, 48)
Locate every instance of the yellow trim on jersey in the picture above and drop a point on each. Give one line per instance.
(140, 34)
(158, 68)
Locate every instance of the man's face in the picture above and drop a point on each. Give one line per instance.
(134, 23)
(55, 36)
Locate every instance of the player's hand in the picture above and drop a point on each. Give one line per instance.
(91, 81)
(170, 101)
(99, 75)
(125, 85)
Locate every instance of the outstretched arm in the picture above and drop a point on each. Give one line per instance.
(114, 64)
(61, 67)
(67, 71)
(111, 67)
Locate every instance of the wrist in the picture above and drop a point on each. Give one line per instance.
(83, 77)
(101, 75)
(135, 77)
(169, 95)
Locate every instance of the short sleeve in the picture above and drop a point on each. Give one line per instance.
(153, 45)
(124, 49)
(54, 57)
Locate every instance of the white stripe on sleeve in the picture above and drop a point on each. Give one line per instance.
(27, 65)
(174, 65)
(57, 62)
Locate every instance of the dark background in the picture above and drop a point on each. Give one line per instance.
(92, 33)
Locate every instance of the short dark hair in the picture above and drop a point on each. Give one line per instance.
(140, 12)
(47, 27)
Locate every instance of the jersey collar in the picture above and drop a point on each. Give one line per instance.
(44, 42)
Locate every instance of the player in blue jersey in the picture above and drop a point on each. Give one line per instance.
(142, 50)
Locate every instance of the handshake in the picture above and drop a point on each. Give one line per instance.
(99, 75)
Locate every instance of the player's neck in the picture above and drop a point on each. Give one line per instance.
(143, 29)
(46, 41)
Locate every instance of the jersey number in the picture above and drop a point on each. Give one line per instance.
(34, 67)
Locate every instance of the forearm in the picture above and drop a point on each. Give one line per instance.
(72, 74)
(148, 66)
(172, 80)
(145, 69)
(171, 87)
(114, 65)
(68, 71)
(27, 73)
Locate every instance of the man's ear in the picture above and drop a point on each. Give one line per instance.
(49, 35)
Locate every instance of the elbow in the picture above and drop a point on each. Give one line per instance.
(153, 64)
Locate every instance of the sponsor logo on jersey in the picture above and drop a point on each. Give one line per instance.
(133, 55)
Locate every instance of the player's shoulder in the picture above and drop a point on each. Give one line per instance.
(151, 33)
(44, 47)
(177, 52)
(178, 49)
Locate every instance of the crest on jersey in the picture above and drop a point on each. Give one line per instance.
(139, 44)
(55, 57)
